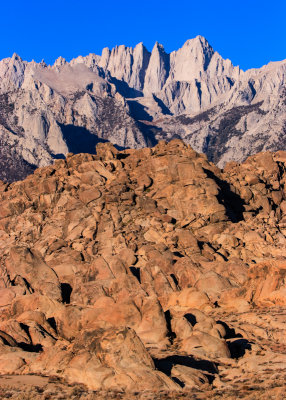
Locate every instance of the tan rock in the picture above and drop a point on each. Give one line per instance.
(203, 344)
(191, 377)
(189, 298)
(112, 264)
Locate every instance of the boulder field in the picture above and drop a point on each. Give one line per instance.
(148, 270)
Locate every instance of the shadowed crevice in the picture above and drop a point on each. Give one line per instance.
(175, 280)
(191, 319)
(79, 139)
(136, 272)
(238, 347)
(125, 90)
(52, 323)
(230, 332)
(149, 132)
(165, 365)
(138, 111)
(164, 108)
(32, 348)
(171, 335)
(232, 202)
(66, 290)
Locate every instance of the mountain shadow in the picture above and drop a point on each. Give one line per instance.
(125, 90)
(149, 131)
(138, 112)
(79, 139)
(12, 165)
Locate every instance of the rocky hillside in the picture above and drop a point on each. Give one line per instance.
(133, 98)
(145, 271)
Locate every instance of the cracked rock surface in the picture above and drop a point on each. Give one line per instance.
(146, 273)
(134, 98)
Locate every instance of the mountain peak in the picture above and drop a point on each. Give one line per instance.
(156, 87)
(60, 61)
(16, 57)
(140, 46)
(199, 42)
(159, 47)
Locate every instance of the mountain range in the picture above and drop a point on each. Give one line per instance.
(134, 98)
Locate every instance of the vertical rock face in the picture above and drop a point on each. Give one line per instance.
(134, 98)
(198, 77)
(141, 57)
(157, 71)
(120, 63)
(104, 59)
(12, 72)
(126, 64)
(192, 60)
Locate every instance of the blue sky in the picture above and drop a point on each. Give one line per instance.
(251, 33)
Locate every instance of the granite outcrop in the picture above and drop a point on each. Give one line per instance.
(135, 98)
(146, 270)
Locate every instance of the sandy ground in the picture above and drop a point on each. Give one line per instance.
(33, 387)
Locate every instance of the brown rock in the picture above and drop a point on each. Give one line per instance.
(189, 298)
(203, 344)
(29, 265)
(112, 264)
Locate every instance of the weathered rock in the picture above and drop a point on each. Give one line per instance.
(148, 269)
(192, 93)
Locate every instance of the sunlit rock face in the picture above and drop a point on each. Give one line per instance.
(146, 270)
(133, 98)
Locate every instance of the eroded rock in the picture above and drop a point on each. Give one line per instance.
(148, 269)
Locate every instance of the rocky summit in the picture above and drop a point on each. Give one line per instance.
(147, 273)
(135, 98)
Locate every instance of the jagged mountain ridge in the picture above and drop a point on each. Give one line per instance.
(134, 98)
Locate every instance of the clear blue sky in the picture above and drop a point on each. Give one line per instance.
(251, 33)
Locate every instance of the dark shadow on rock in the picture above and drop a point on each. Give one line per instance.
(124, 89)
(79, 139)
(230, 332)
(32, 348)
(121, 156)
(52, 323)
(191, 319)
(66, 292)
(136, 272)
(206, 367)
(58, 156)
(138, 112)
(164, 108)
(230, 81)
(178, 254)
(233, 203)
(176, 380)
(238, 347)
(5, 341)
(171, 335)
(175, 280)
(149, 131)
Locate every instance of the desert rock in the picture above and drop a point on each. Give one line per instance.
(145, 269)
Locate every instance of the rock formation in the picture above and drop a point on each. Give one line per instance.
(134, 98)
(146, 270)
